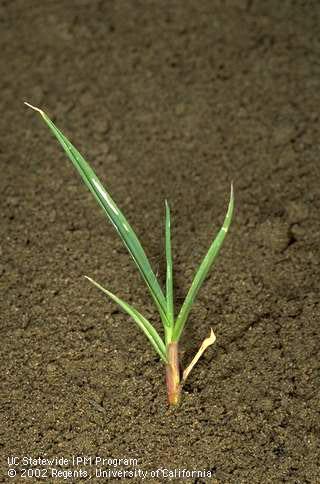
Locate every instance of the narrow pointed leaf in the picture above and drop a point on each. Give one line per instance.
(114, 214)
(140, 320)
(169, 278)
(203, 271)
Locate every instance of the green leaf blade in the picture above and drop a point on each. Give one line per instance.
(114, 214)
(146, 327)
(169, 276)
(203, 270)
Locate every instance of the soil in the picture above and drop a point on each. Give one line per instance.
(167, 100)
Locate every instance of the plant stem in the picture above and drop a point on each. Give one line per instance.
(173, 374)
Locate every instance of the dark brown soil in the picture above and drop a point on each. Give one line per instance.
(167, 99)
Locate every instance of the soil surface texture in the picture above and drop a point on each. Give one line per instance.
(168, 100)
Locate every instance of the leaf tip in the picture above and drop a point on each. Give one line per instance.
(34, 108)
(211, 339)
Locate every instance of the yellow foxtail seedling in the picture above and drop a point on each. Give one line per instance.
(167, 347)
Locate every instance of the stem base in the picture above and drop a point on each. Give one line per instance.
(173, 374)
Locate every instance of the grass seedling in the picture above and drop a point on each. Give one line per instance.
(166, 348)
